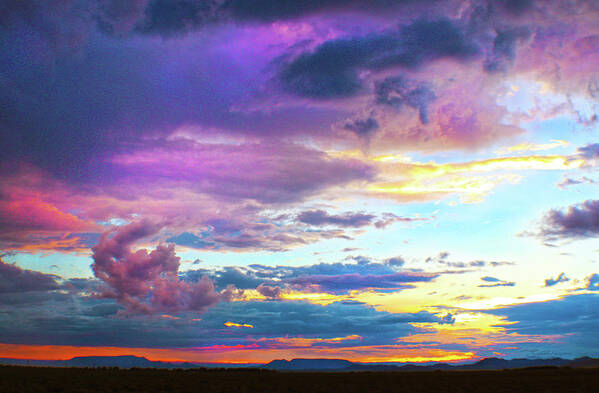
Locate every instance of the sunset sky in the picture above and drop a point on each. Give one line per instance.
(247, 180)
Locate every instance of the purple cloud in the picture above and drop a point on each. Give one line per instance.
(352, 220)
(265, 172)
(399, 91)
(332, 69)
(576, 221)
(145, 281)
(589, 152)
(269, 292)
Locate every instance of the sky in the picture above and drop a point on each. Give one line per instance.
(239, 181)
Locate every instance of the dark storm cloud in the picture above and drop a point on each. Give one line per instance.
(504, 49)
(270, 10)
(576, 221)
(172, 17)
(515, 7)
(332, 69)
(68, 114)
(362, 127)
(398, 91)
(14, 279)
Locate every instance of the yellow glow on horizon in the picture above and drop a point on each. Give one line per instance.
(308, 342)
(492, 303)
(413, 180)
(233, 324)
(529, 146)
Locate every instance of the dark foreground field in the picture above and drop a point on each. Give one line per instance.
(40, 380)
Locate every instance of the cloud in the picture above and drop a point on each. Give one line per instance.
(332, 69)
(362, 127)
(395, 261)
(590, 151)
(499, 284)
(571, 320)
(554, 281)
(516, 7)
(568, 182)
(352, 220)
(321, 217)
(272, 10)
(275, 281)
(148, 282)
(233, 324)
(592, 282)
(269, 292)
(279, 172)
(349, 282)
(167, 17)
(14, 279)
(504, 49)
(575, 222)
(529, 146)
(495, 282)
(490, 279)
(237, 276)
(398, 91)
(417, 181)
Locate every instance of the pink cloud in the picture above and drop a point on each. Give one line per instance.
(269, 292)
(145, 281)
(265, 172)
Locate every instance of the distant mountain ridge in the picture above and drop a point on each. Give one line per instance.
(126, 361)
(484, 364)
(300, 364)
(309, 364)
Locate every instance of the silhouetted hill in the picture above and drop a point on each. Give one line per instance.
(309, 364)
(112, 361)
(484, 364)
(498, 364)
(127, 361)
(583, 363)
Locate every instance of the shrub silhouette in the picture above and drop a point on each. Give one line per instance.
(18, 379)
